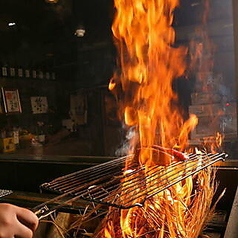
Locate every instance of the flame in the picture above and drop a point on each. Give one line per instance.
(108, 231)
(213, 142)
(149, 62)
(171, 213)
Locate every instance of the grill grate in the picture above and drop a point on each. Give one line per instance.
(4, 192)
(110, 184)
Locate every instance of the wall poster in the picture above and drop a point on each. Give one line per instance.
(39, 105)
(78, 108)
(11, 100)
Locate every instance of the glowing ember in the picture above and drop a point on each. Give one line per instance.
(149, 63)
(171, 213)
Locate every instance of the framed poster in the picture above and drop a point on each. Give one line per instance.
(78, 108)
(1, 104)
(11, 100)
(39, 105)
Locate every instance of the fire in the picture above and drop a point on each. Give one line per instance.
(171, 213)
(213, 142)
(149, 62)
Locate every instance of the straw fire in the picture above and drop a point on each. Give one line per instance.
(148, 64)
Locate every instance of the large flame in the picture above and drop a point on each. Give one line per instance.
(149, 62)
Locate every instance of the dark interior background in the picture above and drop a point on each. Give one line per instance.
(43, 39)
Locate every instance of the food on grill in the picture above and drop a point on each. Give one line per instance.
(161, 155)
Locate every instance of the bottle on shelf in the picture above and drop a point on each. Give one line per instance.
(40, 74)
(47, 75)
(34, 74)
(20, 72)
(27, 73)
(4, 71)
(12, 72)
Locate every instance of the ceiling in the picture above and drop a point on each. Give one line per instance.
(43, 34)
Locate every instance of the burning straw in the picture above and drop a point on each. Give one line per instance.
(148, 64)
(180, 211)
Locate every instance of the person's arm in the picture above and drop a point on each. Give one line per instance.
(16, 221)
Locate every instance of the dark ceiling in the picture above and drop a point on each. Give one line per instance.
(44, 32)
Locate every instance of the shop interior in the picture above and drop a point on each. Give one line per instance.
(57, 115)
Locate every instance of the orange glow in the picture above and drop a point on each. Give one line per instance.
(112, 84)
(51, 1)
(108, 231)
(213, 142)
(149, 63)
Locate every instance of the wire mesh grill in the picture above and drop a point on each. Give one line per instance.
(113, 185)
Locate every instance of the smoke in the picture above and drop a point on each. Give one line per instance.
(128, 146)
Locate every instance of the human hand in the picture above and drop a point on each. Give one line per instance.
(16, 222)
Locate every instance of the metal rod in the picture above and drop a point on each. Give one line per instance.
(86, 175)
(132, 187)
(67, 185)
(155, 187)
(160, 178)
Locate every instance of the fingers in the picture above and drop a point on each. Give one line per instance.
(27, 218)
(17, 222)
(21, 231)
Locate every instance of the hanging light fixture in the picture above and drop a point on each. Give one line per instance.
(80, 31)
(51, 1)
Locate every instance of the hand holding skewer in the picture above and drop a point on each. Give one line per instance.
(17, 221)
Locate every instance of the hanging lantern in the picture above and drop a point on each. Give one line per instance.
(51, 1)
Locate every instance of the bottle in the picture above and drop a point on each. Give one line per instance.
(53, 75)
(47, 75)
(4, 71)
(40, 74)
(34, 74)
(16, 136)
(27, 73)
(12, 72)
(20, 72)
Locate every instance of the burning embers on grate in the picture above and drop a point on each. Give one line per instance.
(110, 184)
